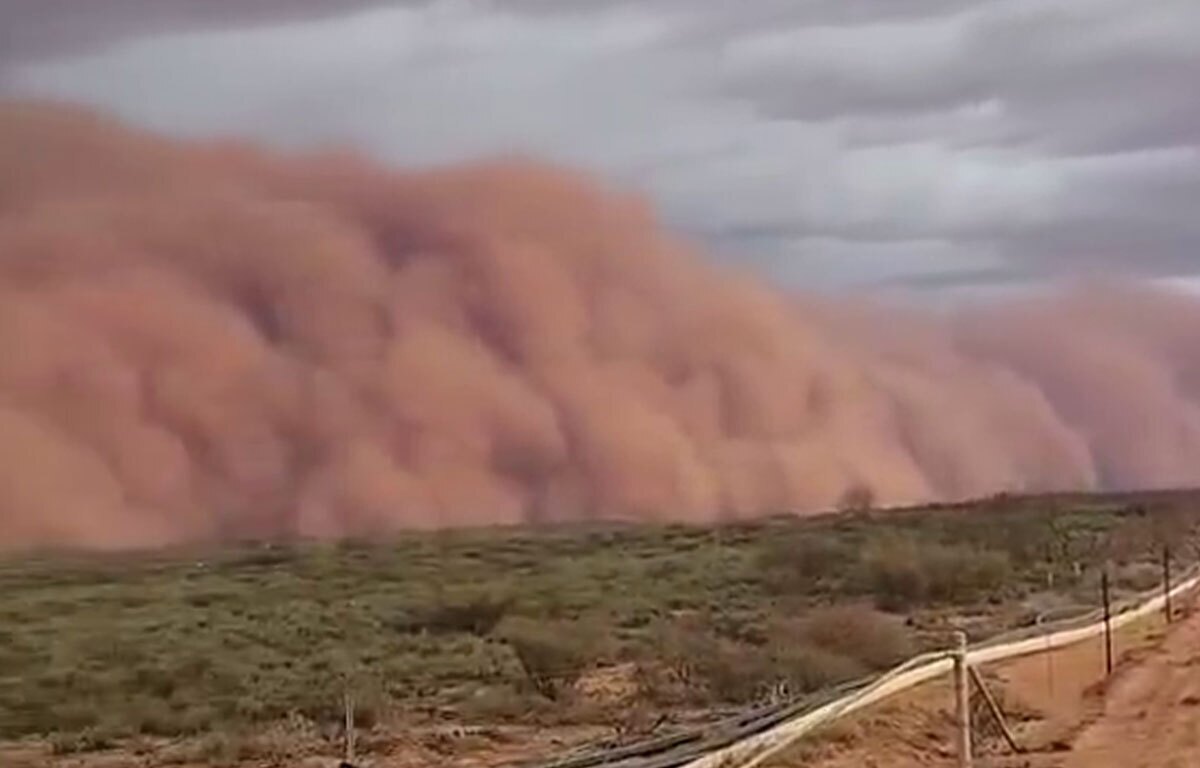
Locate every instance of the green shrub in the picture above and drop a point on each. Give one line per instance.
(963, 574)
(874, 639)
(895, 574)
(88, 740)
(476, 615)
(799, 667)
(679, 645)
(552, 654)
(695, 659)
(734, 672)
(739, 672)
(499, 703)
(902, 574)
(1138, 577)
(797, 564)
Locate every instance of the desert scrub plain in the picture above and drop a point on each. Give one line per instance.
(604, 631)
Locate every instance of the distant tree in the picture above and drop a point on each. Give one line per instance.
(859, 497)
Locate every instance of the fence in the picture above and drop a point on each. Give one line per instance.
(754, 737)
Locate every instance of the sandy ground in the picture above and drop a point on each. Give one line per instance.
(1151, 716)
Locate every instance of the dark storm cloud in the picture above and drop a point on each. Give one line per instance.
(828, 141)
(32, 29)
(1076, 77)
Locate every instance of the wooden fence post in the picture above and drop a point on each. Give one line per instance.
(994, 707)
(962, 701)
(348, 703)
(1108, 644)
(1166, 566)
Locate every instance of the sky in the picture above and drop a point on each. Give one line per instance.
(909, 145)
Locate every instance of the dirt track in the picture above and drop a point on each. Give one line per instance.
(1151, 715)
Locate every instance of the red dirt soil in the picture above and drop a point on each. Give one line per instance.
(1151, 716)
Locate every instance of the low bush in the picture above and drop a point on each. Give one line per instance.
(476, 615)
(692, 660)
(552, 654)
(798, 564)
(875, 640)
(89, 740)
(903, 574)
(499, 703)
(1138, 577)
(799, 667)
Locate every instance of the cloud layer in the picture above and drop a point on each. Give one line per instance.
(833, 143)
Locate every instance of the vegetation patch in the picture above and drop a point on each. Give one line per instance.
(505, 626)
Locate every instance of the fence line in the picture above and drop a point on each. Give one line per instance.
(747, 739)
(759, 747)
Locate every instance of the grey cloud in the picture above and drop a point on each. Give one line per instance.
(733, 18)
(35, 29)
(829, 142)
(1082, 76)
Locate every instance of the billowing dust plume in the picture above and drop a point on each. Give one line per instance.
(200, 342)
